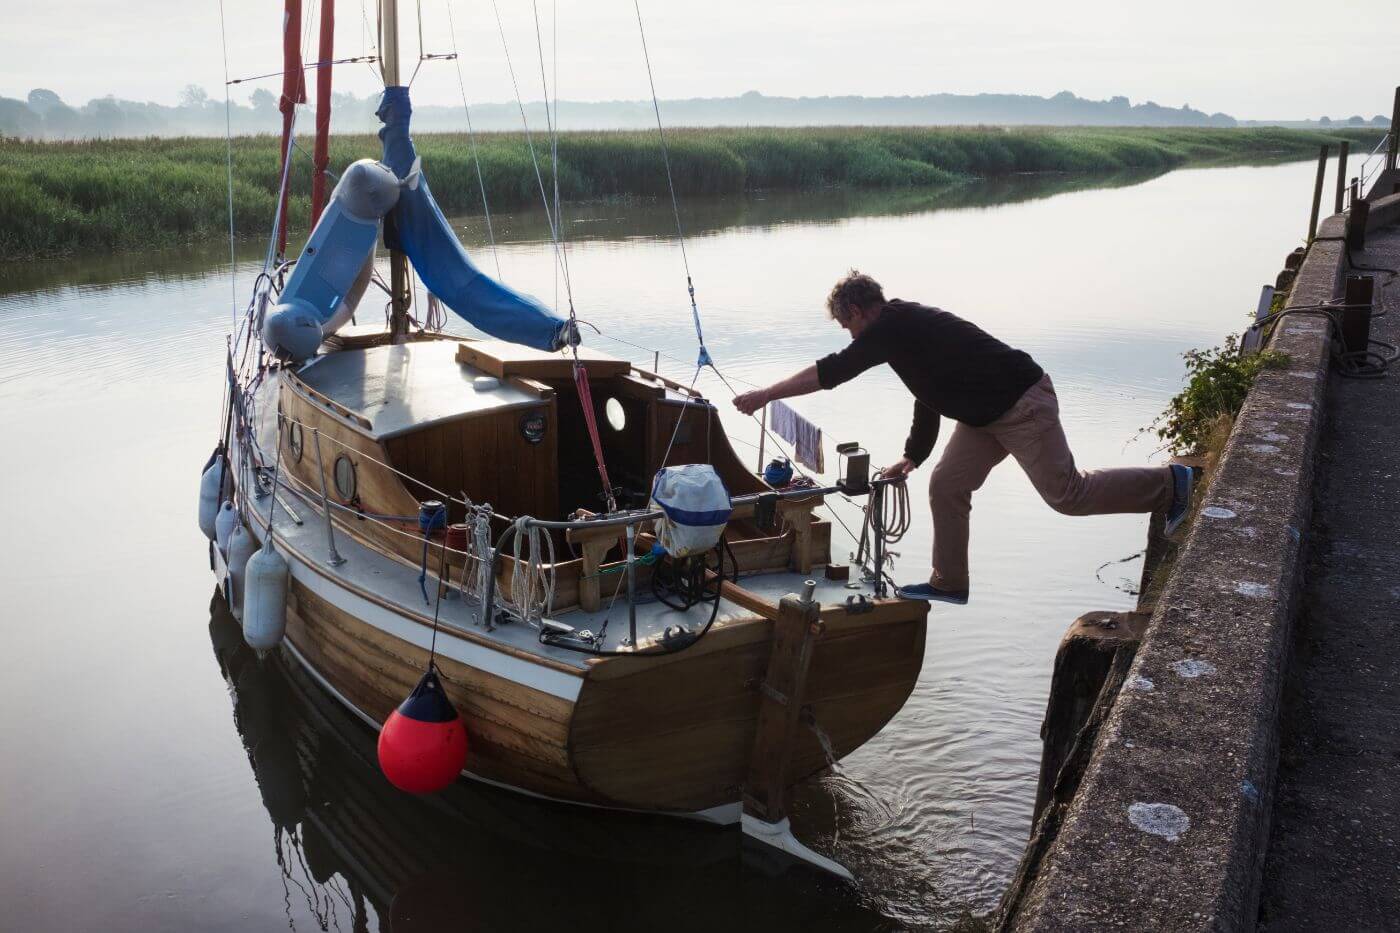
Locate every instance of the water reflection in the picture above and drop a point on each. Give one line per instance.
(110, 387)
(622, 219)
(358, 855)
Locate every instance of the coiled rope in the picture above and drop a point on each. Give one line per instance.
(532, 590)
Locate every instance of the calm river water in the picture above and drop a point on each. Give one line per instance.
(156, 777)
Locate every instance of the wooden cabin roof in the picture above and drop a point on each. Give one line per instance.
(402, 388)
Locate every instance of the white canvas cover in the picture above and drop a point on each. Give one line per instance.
(697, 508)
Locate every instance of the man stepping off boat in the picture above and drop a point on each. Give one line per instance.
(1002, 403)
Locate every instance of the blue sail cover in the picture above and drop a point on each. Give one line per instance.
(419, 230)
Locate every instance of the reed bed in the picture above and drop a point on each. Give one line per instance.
(63, 197)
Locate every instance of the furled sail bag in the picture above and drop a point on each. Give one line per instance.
(417, 227)
(696, 506)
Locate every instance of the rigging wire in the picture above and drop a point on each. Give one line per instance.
(779, 447)
(471, 139)
(704, 358)
(554, 136)
(306, 67)
(534, 157)
(557, 220)
(228, 136)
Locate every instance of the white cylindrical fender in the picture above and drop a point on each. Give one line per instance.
(224, 523)
(241, 547)
(265, 582)
(209, 495)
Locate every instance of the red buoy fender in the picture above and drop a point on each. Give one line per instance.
(423, 745)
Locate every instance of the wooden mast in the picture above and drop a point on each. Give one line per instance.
(399, 297)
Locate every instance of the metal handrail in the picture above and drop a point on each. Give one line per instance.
(637, 517)
(448, 497)
(1365, 175)
(335, 560)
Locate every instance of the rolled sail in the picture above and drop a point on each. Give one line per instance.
(417, 227)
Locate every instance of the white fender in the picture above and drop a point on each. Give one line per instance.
(209, 495)
(266, 578)
(241, 547)
(224, 523)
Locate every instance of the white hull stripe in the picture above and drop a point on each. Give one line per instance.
(545, 679)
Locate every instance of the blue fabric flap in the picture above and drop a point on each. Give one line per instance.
(417, 227)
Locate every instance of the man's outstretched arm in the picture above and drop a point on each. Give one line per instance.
(802, 383)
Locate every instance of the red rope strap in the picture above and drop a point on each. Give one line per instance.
(585, 397)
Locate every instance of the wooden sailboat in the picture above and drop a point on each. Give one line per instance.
(536, 599)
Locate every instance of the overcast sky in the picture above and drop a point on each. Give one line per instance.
(1278, 59)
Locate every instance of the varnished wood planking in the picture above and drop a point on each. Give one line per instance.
(678, 735)
(500, 358)
(518, 734)
(488, 458)
(516, 699)
(379, 489)
(490, 757)
(698, 448)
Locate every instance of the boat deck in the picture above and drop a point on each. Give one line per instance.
(406, 387)
(383, 579)
(654, 617)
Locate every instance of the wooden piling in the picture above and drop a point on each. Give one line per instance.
(1090, 669)
(1082, 666)
(1357, 218)
(1394, 132)
(1317, 192)
(1356, 316)
(1342, 176)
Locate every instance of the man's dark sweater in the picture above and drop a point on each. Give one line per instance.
(952, 366)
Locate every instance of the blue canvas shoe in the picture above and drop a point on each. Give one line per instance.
(1183, 483)
(929, 592)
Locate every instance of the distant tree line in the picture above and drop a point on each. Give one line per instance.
(44, 115)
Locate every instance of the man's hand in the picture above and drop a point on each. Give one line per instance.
(900, 469)
(750, 402)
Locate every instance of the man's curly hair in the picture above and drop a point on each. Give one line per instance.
(854, 290)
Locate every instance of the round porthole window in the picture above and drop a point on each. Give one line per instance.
(532, 426)
(617, 416)
(296, 443)
(343, 473)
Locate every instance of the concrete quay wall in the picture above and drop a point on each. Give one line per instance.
(1170, 823)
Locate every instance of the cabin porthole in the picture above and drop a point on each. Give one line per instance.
(343, 475)
(617, 416)
(532, 426)
(296, 443)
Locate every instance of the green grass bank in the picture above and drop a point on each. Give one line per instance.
(62, 197)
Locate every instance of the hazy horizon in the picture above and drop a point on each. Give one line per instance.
(1254, 61)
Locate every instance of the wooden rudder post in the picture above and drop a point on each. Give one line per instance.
(796, 632)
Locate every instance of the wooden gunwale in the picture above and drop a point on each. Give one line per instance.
(358, 422)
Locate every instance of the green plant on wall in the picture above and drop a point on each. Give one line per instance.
(1217, 382)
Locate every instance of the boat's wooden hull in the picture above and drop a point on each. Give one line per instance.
(518, 735)
(666, 733)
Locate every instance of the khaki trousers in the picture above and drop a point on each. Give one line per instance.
(1030, 431)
